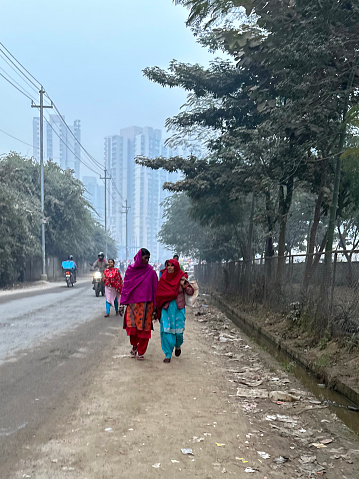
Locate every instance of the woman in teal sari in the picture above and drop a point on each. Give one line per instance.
(170, 298)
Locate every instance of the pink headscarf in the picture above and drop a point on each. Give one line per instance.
(140, 283)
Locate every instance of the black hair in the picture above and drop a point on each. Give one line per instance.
(111, 259)
(145, 251)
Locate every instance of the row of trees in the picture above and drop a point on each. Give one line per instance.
(278, 114)
(70, 226)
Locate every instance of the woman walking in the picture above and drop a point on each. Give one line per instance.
(113, 286)
(171, 310)
(139, 296)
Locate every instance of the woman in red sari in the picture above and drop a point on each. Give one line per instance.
(113, 287)
(139, 296)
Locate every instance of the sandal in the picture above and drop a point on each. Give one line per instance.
(106, 315)
(133, 352)
(167, 360)
(140, 357)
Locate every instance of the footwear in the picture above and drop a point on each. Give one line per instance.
(133, 352)
(140, 357)
(117, 313)
(167, 360)
(178, 352)
(106, 315)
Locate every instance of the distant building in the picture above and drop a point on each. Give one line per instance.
(95, 195)
(60, 144)
(142, 187)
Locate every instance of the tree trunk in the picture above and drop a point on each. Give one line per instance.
(310, 259)
(285, 202)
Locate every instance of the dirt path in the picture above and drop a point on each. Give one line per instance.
(138, 416)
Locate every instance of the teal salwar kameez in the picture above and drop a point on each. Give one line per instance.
(172, 327)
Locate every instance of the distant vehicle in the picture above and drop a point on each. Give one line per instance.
(69, 277)
(98, 284)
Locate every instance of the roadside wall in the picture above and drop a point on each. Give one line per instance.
(33, 269)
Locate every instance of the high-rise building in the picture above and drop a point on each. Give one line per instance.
(61, 144)
(95, 195)
(140, 186)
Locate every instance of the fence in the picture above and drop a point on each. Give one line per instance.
(327, 290)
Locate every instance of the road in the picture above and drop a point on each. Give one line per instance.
(52, 340)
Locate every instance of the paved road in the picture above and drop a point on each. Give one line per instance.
(51, 342)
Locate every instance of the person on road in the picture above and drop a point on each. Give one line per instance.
(170, 298)
(139, 296)
(100, 264)
(176, 257)
(113, 286)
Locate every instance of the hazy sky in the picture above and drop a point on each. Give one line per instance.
(89, 56)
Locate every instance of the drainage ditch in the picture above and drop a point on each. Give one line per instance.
(339, 404)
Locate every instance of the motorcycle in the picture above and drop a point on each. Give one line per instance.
(98, 284)
(69, 278)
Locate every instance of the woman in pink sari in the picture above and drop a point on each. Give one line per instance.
(139, 296)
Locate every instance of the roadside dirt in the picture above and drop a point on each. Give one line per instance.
(137, 417)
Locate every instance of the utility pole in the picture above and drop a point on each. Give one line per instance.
(126, 208)
(105, 178)
(43, 220)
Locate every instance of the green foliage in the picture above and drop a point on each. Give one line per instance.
(70, 228)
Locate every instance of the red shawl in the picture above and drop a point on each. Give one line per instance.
(112, 277)
(168, 286)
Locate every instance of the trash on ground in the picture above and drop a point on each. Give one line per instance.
(219, 444)
(264, 455)
(197, 439)
(281, 460)
(250, 469)
(318, 445)
(108, 429)
(157, 465)
(326, 441)
(275, 396)
(174, 461)
(241, 459)
(189, 452)
(252, 393)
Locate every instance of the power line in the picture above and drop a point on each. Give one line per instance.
(20, 86)
(29, 84)
(18, 139)
(25, 94)
(17, 61)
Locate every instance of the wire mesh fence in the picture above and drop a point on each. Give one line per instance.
(324, 286)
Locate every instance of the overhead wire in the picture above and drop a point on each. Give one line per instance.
(29, 84)
(18, 139)
(17, 61)
(21, 91)
(18, 84)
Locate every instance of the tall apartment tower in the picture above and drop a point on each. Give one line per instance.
(61, 145)
(142, 187)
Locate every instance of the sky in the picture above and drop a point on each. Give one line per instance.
(89, 56)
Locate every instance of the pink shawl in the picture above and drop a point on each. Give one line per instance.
(140, 283)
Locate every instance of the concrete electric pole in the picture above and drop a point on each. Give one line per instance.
(105, 178)
(43, 220)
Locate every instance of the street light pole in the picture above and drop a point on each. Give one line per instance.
(43, 276)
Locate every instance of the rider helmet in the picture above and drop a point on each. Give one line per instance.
(101, 254)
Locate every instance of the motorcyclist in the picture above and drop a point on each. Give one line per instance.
(74, 270)
(70, 264)
(100, 264)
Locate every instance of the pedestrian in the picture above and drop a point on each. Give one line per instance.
(113, 286)
(176, 257)
(139, 296)
(171, 309)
